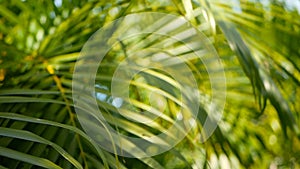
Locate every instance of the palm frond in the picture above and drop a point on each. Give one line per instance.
(257, 45)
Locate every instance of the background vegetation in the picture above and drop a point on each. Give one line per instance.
(257, 41)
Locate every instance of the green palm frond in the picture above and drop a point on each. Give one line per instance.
(40, 42)
(263, 46)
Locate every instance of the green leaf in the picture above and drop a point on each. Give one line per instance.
(6, 152)
(19, 117)
(25, 135)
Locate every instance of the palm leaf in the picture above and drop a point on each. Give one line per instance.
(257, 45)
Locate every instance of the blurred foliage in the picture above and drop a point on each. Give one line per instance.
(257, 42)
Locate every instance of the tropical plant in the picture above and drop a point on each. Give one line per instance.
(257, 43)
